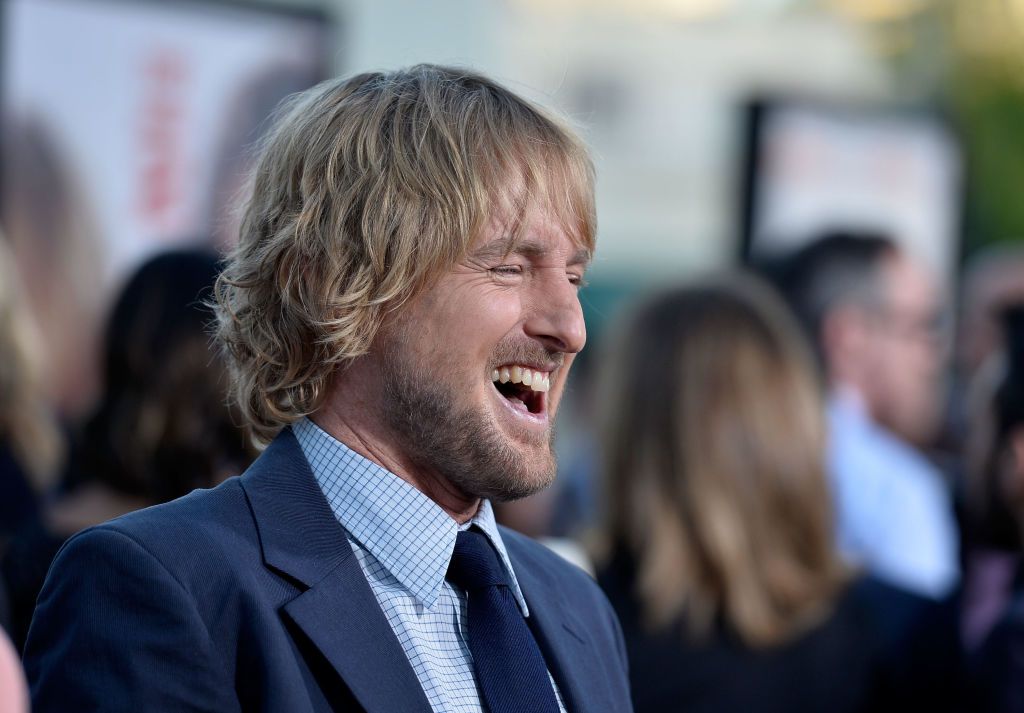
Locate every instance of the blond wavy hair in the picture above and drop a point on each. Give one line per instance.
(368, 189)
(715, 464)
(26, 423)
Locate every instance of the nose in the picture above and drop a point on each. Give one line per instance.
(556, 317)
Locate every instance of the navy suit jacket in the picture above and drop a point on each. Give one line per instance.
(248, 597)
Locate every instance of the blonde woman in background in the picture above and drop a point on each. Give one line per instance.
(162, 428)
(720, 560)
(30, 443)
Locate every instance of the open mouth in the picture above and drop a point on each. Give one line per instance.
(524, 388)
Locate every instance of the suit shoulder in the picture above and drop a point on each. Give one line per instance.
(200, 523)
(199, 509)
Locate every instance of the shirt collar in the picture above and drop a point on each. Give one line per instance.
(406, 531)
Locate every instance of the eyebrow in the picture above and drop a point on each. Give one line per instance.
(527, 248)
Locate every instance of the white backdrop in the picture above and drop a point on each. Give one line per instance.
(127, 128)
(150, 103)
(822, 168)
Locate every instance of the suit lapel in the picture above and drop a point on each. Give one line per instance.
(574, 661)
(341, 616)
(338, 611)
(560, 633)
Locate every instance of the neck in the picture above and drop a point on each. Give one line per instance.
(375, 442)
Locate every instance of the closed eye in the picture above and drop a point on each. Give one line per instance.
(507, 270)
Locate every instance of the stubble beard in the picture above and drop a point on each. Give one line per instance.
(458, 441)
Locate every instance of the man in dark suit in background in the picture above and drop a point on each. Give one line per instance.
(873, 312)
(401, 313)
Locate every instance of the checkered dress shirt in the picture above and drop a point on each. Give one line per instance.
(403, 541)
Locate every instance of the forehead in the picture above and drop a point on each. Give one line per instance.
(538, 235)
(539, 190)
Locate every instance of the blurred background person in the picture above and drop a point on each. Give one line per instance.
(30, 442)
(31, 445)
(993, 285)
(994, 613)
(59, 256)
(874, 315)
(163, 426)
(720, 558)
(993, 281)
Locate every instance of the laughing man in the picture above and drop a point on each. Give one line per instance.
(401, 314)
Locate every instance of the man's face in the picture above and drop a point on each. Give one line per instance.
(474, 368)
(907, 352)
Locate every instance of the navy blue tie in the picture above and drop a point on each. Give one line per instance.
(510, 668)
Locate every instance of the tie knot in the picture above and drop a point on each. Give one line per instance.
(475, 564)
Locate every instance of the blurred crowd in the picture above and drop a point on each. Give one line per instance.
(800, 482)
(808, 494)
(161, 427)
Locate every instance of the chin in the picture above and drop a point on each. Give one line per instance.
(509, 490)
(502, 476)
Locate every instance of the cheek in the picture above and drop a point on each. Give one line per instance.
(475, 329)
(490, 316)
(559, 391)
(881, 361)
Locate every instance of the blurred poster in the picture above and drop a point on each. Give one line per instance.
(129, 127)
(814, 168)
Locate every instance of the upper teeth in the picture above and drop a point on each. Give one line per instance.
(536, 380)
